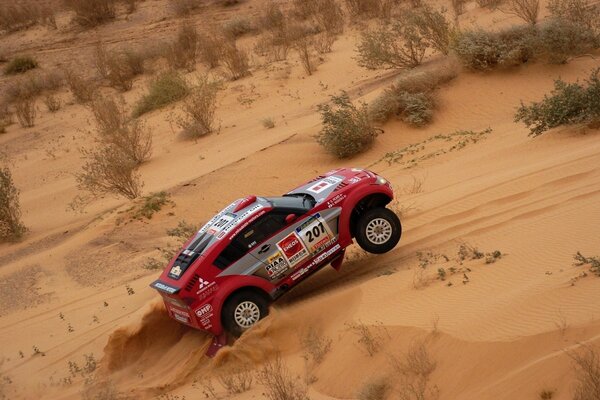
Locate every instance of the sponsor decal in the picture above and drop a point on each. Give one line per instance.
(324, 184)
(165, 288)
(245, 224)
(355, 179)
(335, 200)
(314, 233)
(239, 218)
(182, 318)
(175, 271)
(206, 324)
(177, 311)
(356, 170)
(316, 261)
(293, 249)
(204, 311)
(203, 294)
(203, 284)
(276, 265)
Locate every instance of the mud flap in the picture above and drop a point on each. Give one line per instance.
(337, 263)
(217, 343)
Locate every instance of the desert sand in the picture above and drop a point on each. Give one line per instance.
(75, 286)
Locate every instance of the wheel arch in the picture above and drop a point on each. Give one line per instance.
(368, 202)
(248, 288)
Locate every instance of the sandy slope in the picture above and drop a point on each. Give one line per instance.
(501, 331)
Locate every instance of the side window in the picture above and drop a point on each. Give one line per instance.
(261, 229)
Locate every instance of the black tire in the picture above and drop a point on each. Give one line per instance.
(253, 302)
(367, 235)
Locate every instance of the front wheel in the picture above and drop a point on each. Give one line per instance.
(243, 310)
(378, 230)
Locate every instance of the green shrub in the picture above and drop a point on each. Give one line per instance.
(561, 39)
(568, 103)
(151, 204)
(347, 129)
(482, 50)
(20, 65)
(11, 227)
(167, 88)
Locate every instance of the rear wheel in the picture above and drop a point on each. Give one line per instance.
(243, 310)
(378, 230)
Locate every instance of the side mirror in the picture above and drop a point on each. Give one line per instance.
(290, 218)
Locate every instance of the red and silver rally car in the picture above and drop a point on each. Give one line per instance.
(257, 248)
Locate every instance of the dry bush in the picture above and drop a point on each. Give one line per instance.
(580, 12)
(268, 123)
(323, 42)
(119, 67)
(326, 15)
(23, 14)
(236, 380)
(303, 47)
(83, 89)
(491, 4)
(184, 50)
(100, 57)
(414, 372)
(186, 7)
(235, 61)
(560, 40)
(52, 102)
(346, 129)
(432, 26)
(398, 45)
(315, 345)
(458, 8)
(374, 390)
(527, 10)
(165, 89)
(151, 204)
(6, 116)
(271, 17)
(199, 108)
(368, 8)
(11, 227)
(209, 49)
(32, 85)
(116, 130)
(369, 337)
(279, 383)
(89, 13)
(587, 374)
(411, 97)
(109, 171)
(119, 75)
(26, 112)
(238, 26)
(20, 65)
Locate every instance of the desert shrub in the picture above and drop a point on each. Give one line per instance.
(151, 204)
(458, 8)
(186, 7)
(20, 65)
(119, 74)
(184, 50)
(303, 47)
(199, 108)
(52, 103)
(327, 15)
(271, 17)
(268, 123)
(593, 262)
(315, 345)
(209, 49)
(580, 12)
(527, 10)
(83, 89)
(561, 39)
(368, 8)
(323, 42)
(491, 4)
(398, 45)
(109, 171)
(568, 103)
(6, 116)
(166, 88)
(26, 112)
(236, 380)
(32, 84)
(91, 13)
(235, 61)
(11, 227)
(117, 130)
(431, 25)
(587, 374)
(279, 383)
(346, 129)
(100, 59)
(184, 230)
(23, 14)
(374, 390)
(135, 59)
(482, 50)
(411, 97)
(238, 26)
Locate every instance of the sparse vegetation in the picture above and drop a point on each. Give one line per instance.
(279, 383)
(52, 103)
(304, 48)
(546, 394)
(89, 13)
(587, 373)
(209, 50)
(31, 85)
(374, 390)
(559, 40)
(183, 52)
(83, 89)
(527, 10)
(593, 262)
(151, 204)
(183, 230)
(369, 337)
(347, 129)
(567, 104)
(583, 13)
(15, 16)
(199, 108)
(25, 111)
(20, 65)
(11, 227)
(236, 380)
(238, 26)
(165, 89)
(268, 123)
(315, 345)
(235, 61)
(414, 372)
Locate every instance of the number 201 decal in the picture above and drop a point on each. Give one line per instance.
(314, 233)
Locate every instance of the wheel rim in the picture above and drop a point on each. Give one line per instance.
(246, 314)
(379, 231)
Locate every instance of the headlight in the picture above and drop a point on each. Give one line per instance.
(381, 181)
